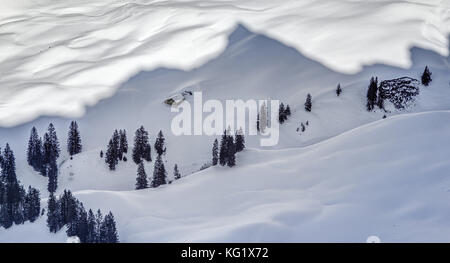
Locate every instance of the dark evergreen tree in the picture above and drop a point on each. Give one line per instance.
(73, 139)
(159, 173)
(288, 111)
(32, 206)
(372, 94)
(257, 122)
(223, 152)
(34, 151)
(52, 173)
(159, 144)
(101, 154)
(303, 127)
(231, 147)
(215, 152)
(240, 140)
(53, 215)
(50, 145)
(308, 103)
(68, 206)
(8, 173)
(426, 76)
(111, 157)
(108, 230)
(98, 224)
(338, 90)
(116, 146)
(281, 113)
(5, 216)
(123, 141)
(141, 148)
(92, 236)
(176, 173)
(141, 180)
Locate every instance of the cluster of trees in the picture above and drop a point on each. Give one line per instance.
(283, 113)
(229, 146)
(89, 228)
(16, 205)
(159, 171)
(116, 149)
(42, 153)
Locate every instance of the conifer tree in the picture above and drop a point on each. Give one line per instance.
(98, 224)
(50, 145)
(111, 156)
(52, 174)
(288, 110)
(308, 103)
(176, 173)
(53, 215)
(73, 139)
(101, 154)
(338, 90)
(240, 140)
(159, 173)
(108, 230)
(231, 147)
(141, 148)
(91, 228)
(426, 76)
(116, 146)
(215, 152)
(32, 206)
(372, 94)
(123, 141)
(159, 144)
(141, 180)
(281, 113)
(223, 152)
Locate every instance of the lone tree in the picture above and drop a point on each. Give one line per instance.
(176, 173)
(141, 148)
(308, 103)
(372, 94)
(159, 144)
(73, 139)
(338, 90)
(141, 180)
(426, 76)
(159, 173)
(215, 152)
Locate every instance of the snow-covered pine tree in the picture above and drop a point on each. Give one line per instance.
(141, 148)
(141, 179)
(223, 152)
(240, 140)
(263, 117)
(372, 94)
(338, 90)
(74, 139)
(215, 152)
(159, 173)
(308, 103)
(176, 173)
(426, 76)
(159, 144)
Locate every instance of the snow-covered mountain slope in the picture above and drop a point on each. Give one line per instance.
(71, 54)
(351, 174)
(388, 178)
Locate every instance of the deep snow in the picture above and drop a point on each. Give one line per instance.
(350, 175)
(72, 54)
